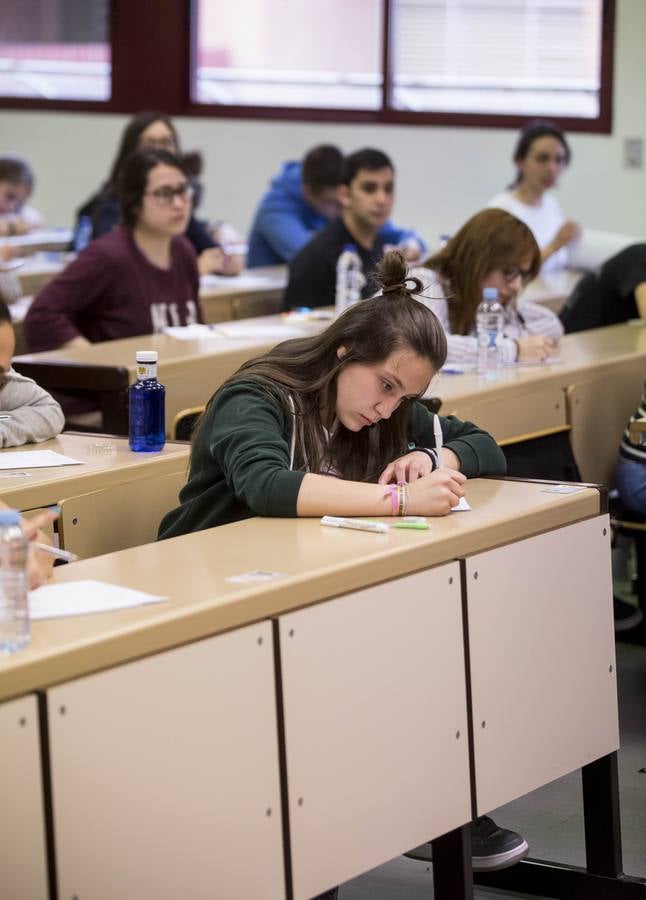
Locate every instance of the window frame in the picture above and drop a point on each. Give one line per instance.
(137, 50)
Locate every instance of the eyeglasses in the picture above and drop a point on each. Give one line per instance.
(167, 143)
(511, 273)
(166, 195)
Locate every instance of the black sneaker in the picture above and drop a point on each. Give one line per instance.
(491, 847)
(626, 615)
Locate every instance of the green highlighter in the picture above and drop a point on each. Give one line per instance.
(416, 526)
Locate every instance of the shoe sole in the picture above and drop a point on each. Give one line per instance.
(500, 860)
(478, 864)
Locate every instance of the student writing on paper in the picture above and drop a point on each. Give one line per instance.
(28, 414)
(137, 279)
(320, 425)
(492, 249)
(39, 564)
(211, 241)
(541, 155)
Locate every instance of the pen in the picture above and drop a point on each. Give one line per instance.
(5, 416)
(439, 440)
(416, 526)
(358, 524)
(55, 551)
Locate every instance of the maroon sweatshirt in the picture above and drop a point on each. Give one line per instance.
(112, 291)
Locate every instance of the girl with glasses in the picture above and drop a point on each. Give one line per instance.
(493, 249)
(155, 131)
(541, 155)
(139, 278)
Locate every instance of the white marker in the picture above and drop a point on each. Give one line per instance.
(439, 440)
(357, 524)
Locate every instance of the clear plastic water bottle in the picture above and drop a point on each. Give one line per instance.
(83, 234)
(14, 606)
(349, 278)
(147, 401)
(489, 325)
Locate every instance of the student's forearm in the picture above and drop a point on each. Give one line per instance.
(321, 495)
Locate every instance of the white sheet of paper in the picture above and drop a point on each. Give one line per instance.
(463, 506)
(78, 598)
(246, 281)
(191, 332)
(35, 459)
(248, 329)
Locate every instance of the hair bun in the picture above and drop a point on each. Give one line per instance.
(392, 275)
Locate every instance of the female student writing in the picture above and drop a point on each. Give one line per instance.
(541, 155)
(492, 249)
(324, 425)
(342, 403)
(137, 279)
(155, 131)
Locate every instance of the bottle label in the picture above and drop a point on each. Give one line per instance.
(146, 371)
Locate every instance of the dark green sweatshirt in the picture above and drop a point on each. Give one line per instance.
(240, 460)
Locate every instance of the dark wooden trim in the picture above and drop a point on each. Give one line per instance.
(386, 55)
(152, 68)
(452, 874)
(600, 782)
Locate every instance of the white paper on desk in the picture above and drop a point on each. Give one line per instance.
(35, 459)
(247, 281)
(77, 598)
(259, 331)
(191, 332)
(463, 506)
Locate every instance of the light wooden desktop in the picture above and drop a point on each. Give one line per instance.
(351, 610)
(43, 239)
(114, 499)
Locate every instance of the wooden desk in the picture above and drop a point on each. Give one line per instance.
(190, 370)
(141, 680)
(553, 288)
(114, 499)
(42, 239)
(253, 292)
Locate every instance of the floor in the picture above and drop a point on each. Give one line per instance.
(550, 818)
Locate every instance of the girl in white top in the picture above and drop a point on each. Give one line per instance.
(541, 154)
(493, 249)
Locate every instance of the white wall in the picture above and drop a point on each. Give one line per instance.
(444, 174)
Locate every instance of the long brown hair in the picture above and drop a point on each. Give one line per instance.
(306, 370)
(492, 239)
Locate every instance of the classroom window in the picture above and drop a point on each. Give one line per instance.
(522, 57)
(55, 49)
(289, 53)
(452, 61)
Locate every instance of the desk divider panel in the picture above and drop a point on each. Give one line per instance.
(375, 725)
(120, 516)
(543, 672)
(165, 775)
(23, 864)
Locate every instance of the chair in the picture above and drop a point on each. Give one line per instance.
(184, 423)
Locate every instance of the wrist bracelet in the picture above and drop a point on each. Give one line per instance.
(393, 491)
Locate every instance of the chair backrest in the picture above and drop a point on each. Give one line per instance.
(598, 420)
(117, 517)
(184, 423)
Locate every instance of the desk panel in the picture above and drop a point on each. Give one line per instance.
(22, 836)
(377, 756)
(542, 651)
(165, 775)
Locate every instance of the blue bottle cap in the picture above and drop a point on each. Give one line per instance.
(490, 293)
(352, 248)
(9, 517)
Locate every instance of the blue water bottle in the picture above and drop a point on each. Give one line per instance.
(83, 234)
(147, 398)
